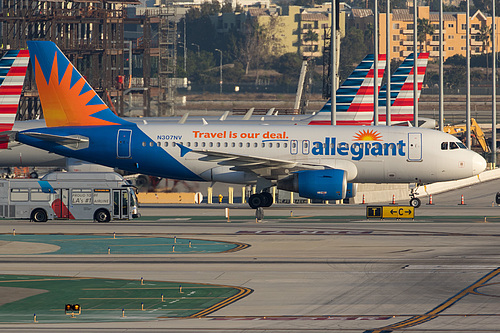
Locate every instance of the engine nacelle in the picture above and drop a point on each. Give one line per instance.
(330, 184)
(352, 189)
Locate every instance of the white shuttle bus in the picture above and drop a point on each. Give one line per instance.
(98, 196)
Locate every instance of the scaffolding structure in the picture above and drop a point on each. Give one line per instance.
(89, 32)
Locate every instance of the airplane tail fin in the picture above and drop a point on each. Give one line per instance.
(13, 66)
(67, 99)
(402, 89)
(355, 94)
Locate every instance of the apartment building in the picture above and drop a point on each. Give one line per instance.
(454, 31)
(291, 25)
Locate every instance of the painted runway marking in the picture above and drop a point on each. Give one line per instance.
(302, 232)
(434, 313)
(287, 318)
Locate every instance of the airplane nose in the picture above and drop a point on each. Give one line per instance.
(478, 164)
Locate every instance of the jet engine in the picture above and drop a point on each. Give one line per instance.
(352, 189)
(330, 184)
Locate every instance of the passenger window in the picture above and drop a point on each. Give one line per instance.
(144, 144)
(151, 144)
(225, 144)
(248, 144)
(240, 144)
(233, 144)
(263, 145)
(285, 145)
(255, 144)
(159, 144)
(196, 144)
(453, 145)
(173, 144)
(270, 145)
(189, 144)
(211, 144)
(203, 144)
(166, 143)
(444, 145)
(278, 145)
(218, 144)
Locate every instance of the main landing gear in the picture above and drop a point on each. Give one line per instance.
(414, 201)
(263, 199)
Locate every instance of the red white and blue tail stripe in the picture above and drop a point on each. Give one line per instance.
(13, 66)
(355, 95)
(402, 89)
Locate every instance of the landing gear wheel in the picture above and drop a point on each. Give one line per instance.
(255, 201)
(415, 202)
(102, 215)
(267, 199)
(39, 215)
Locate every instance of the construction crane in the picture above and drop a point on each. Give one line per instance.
(477, 133)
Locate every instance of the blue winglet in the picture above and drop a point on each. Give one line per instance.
(184, 149)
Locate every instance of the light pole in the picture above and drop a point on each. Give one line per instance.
(198, 46)
(220, 70)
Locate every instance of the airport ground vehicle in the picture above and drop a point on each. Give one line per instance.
(101, 196)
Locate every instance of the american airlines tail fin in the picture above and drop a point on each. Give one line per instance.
(355, 94)
(13, 66)
(402, 89)
(67, 99)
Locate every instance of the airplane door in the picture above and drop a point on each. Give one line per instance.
(414, 147)
(123, 143)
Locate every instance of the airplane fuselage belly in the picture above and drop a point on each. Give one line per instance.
(379, 154)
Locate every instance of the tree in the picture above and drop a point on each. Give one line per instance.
(455, 76)
(352, 50)
(483, 36)
(312, 37)
(424, 28)
(261, 41)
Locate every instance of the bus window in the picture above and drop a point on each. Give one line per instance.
(19, 194)
(124, 203)
(116, 203)
(38, 195)
(101, 196)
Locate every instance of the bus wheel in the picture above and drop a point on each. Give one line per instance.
(102, 215)
(39, 215)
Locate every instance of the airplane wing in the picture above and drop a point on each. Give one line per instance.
(269, 168)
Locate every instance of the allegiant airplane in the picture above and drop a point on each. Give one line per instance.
(357, 90)
(318, 162)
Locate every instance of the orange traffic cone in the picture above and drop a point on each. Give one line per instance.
(393, 199)
(462, 201)
(364, 199)
(430, 200)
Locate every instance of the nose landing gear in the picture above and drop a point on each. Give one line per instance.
(414, 201)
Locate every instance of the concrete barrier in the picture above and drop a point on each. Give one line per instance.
(165, 198)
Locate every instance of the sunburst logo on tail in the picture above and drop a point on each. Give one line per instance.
(368, 135)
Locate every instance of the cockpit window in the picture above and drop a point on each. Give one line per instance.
(444, 145)
(461, 145)
(453, 145)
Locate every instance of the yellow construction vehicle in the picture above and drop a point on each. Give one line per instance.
(476, 132)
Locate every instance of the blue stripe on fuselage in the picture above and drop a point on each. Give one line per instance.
(150, 160)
